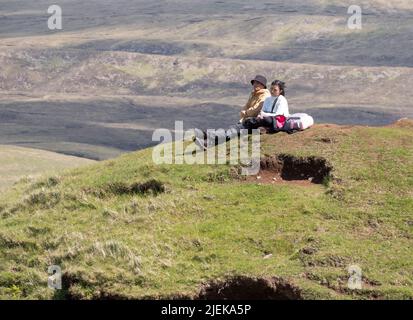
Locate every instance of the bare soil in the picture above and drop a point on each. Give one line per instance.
(246, 288)
(287, 169)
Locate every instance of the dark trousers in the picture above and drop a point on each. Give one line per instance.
(255, 123)
(221, 136)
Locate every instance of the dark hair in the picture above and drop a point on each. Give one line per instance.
(280, 84)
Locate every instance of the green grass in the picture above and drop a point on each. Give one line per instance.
(26, 163)
(209, 225)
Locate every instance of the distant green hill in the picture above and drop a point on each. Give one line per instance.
(18, 162)
(126, 228)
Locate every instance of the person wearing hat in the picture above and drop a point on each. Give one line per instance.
(248, 116)
(256, 100)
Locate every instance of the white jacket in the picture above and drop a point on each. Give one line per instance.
(280, 108)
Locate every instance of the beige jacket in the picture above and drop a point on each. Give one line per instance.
(254, 104)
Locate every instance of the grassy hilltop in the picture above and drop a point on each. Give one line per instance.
(126, 228)
(326, 199)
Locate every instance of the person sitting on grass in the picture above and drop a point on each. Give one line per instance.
(274, 112)
(272, 117)
(256, 99)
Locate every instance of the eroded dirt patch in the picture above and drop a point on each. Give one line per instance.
(285, 168)
(235, 288)
(246, 288)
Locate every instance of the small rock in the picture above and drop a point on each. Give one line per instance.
(311, 179)
(268, 256)
(258, 177)
(275, 179)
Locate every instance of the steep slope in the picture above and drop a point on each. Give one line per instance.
(126, 228)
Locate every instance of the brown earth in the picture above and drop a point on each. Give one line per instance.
(287, 169)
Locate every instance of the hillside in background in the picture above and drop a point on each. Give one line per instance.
(98, 87)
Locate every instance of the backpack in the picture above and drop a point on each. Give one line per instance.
(298, 121)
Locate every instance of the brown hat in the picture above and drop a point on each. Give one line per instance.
(260, 79)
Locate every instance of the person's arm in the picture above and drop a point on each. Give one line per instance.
(255, 109)
(265, 114)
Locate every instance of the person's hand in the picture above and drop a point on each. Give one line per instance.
(260, 116)
(243, 113)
